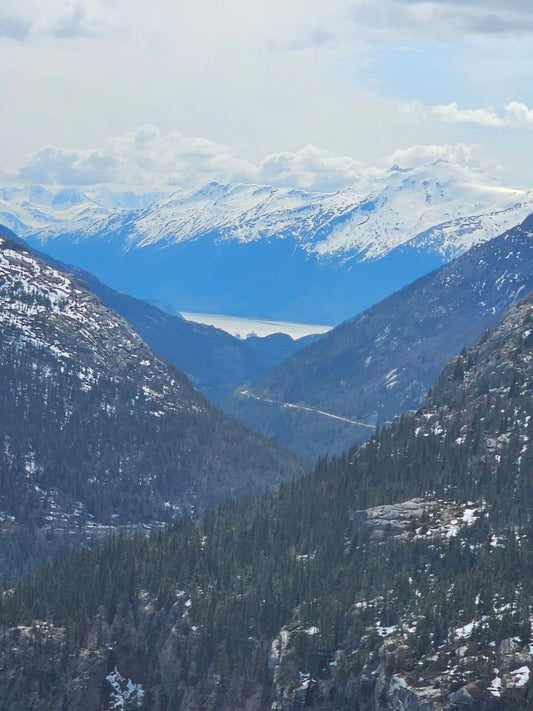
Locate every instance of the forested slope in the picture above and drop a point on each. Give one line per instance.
(96, 429)
(398, 576)
(383, 362)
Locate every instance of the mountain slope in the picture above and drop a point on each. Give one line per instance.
(96, 428)
(397, 577)
(283, 254)
(215, 361)
(383, 362)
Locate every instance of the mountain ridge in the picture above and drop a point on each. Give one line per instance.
(98, 431)
(287, 254)
(397, 576)
(251, 212)
(382, 362)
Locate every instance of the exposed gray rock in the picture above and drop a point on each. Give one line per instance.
(461, 697)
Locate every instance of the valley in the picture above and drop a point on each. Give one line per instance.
(381, 363)
(395, 575)
(266, 355)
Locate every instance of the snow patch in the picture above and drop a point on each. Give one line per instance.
(125, 693)
(521, 676)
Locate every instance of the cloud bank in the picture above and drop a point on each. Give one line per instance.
(514, 115)
(446, 19)
(149, 159)
(312, 23)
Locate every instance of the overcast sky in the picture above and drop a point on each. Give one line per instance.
(310, 93)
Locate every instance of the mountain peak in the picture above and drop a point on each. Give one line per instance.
(67, 197)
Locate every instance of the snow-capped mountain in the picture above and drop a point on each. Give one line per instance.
(447, 208)
(27, 209)
(266, 252)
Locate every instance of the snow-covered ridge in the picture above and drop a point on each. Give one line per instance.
(28, 209)
(47, 310)
(438, 207)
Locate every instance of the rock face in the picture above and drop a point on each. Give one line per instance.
(97, 430)
(381, 363)
(417, 519)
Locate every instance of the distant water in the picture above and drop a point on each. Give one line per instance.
(244, 327)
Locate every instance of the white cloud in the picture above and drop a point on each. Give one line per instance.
(62, 166)
(515, 115)
(518, 115)
(311, 168)
(148, 159)
(458, 154)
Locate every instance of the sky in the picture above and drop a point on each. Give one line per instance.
(313, 94)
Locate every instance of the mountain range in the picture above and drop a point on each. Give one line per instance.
(264, 252)
(394, 578)
(35, 207)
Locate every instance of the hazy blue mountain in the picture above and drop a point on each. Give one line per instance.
(279, 346)
(381, 363)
